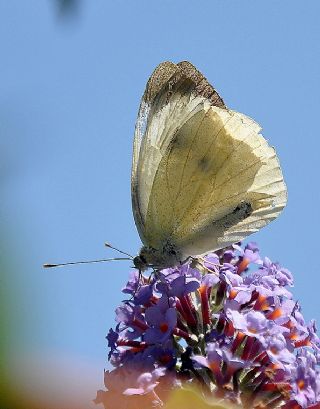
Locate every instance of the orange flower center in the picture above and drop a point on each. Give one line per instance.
(164, 327)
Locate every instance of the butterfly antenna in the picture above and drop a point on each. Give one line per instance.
(103, 260)
(110, 246)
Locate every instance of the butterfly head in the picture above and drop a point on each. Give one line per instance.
(167, 256)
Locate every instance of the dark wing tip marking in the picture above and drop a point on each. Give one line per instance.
(202, 85)
(160, 76)
(168, 74)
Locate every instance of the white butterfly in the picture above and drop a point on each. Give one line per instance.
(203, 177)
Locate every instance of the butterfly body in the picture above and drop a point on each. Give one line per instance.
(203, 177)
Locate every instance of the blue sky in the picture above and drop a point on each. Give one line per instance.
(69, 94)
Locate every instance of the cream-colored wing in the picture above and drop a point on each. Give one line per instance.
(174, 93)
(204, 177)
(219, 182)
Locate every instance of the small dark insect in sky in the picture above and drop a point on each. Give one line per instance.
(67, 8)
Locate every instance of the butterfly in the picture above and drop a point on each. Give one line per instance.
(203, 177)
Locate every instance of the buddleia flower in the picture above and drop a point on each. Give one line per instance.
(225, 327)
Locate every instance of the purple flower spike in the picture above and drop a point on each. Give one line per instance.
(228, 326)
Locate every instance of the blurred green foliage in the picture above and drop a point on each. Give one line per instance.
(190, 399)
(5, 331)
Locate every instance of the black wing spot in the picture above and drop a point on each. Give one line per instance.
(244, 209)
(204, 164)
(241, 212)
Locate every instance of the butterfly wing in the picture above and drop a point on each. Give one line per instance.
(173, 93)
(203, 177)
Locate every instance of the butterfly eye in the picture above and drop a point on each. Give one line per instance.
(140, 262)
